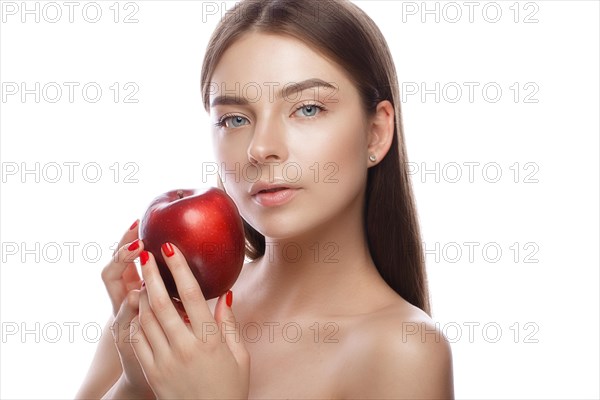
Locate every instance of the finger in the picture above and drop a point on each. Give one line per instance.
(141, 346)
(122, 260)
(188, 288)
(181, 310)
(122, 323)
(230, 329)
(150, 325)
(120, 275)
(159, 299)
(129, 236)
(131, 277)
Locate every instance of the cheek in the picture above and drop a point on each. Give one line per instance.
(230, 153)
(229, 147)
(231, 150)
(341, 155)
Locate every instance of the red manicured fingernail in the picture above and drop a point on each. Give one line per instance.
(168, 249)
(229, 298)
(132, 227)
(144, 257)
(134, 245)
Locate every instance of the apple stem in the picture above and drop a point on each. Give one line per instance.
(180, 194)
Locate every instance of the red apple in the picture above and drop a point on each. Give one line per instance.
(206, 226)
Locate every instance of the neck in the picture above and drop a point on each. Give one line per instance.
(326, 270)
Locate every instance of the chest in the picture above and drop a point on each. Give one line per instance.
(293, 359)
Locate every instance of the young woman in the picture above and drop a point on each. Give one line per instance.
(334, 302)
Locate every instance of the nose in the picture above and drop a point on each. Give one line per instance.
(268, 142)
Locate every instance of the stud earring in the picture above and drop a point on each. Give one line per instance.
(372, 158)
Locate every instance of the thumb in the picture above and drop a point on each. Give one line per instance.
(230, 329)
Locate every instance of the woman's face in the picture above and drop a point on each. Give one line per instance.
(286, 116)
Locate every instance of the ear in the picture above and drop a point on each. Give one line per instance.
(381, 132)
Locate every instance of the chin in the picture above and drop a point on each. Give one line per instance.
(278, 228)
(293, 224)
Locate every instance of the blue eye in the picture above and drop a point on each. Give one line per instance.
(232, 121)
(308, 110)
(237, 121)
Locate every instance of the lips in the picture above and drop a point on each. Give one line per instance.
(272, 194)
(269, 187)
(277, 189)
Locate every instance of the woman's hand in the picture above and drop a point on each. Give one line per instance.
(205, 358)
(132, 383)
(120, 275)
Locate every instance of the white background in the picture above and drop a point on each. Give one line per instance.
(533, 308)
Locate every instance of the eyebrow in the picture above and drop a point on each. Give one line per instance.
(288, 90)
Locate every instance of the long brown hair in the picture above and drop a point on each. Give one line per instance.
(345, 34)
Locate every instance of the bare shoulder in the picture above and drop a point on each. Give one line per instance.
(401, 352)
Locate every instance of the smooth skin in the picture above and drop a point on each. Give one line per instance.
(315, 322)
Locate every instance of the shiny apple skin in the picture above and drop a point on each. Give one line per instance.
(206, 226)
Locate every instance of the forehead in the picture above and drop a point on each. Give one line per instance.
(268, 59)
